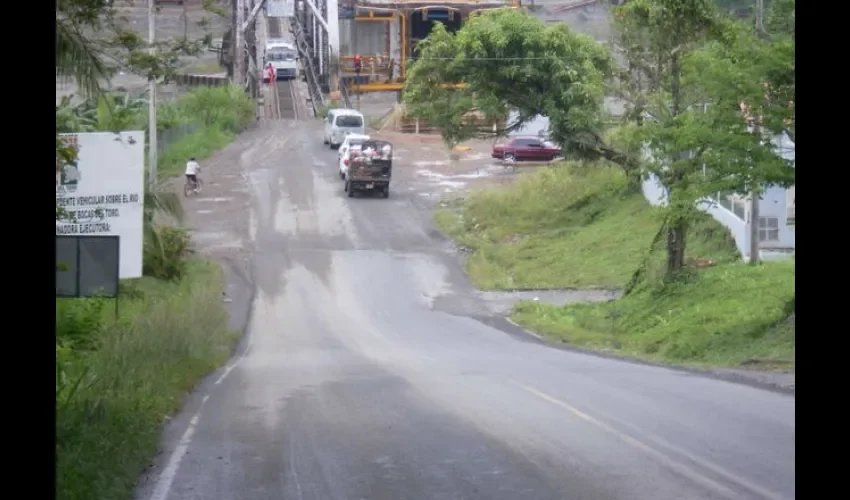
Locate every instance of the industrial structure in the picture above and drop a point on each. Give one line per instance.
(383, 32)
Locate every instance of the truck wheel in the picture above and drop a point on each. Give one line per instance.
(386, 192)
(350, 190)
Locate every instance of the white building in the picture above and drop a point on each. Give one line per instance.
(776, 211)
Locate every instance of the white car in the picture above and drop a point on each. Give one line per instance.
(341, 122)
(345, 159)
(350, 140)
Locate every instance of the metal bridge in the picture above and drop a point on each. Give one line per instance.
(329, 33)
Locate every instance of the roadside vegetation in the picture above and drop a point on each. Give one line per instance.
(704, 95)
(567, 226)
(217, 115)
(117, 381)
(582, 226)
(731, 315)
(119, 378)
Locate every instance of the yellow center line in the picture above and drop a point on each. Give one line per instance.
(664, 459)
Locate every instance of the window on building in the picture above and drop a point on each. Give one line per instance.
(768, 229)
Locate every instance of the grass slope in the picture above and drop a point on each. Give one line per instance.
(730, 315)
(220, 114)
(579, 227)
(169, 336)
(566, 227)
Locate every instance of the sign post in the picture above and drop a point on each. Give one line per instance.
(102, 193)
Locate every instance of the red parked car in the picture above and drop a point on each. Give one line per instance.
(526, 149)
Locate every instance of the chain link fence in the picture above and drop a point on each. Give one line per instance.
(165, 138)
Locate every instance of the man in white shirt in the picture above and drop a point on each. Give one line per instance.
(192, 171)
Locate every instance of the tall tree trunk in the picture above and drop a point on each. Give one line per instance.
(677, 233)
(678, 228)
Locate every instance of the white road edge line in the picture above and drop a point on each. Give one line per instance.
(163, 484)
(683, 469)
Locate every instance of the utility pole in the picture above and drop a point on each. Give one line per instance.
(754, 215)
(759, 13)
(238, 44)
(754, 191)
(152, 143)
(333, 44)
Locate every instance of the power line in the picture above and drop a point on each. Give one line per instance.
(485, 59)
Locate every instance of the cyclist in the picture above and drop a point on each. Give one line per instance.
(192, 171)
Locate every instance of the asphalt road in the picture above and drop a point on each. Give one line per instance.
(369, 370)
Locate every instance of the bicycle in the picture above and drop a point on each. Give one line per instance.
(190, 187)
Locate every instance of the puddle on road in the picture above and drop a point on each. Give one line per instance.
(429, 163)
(475, 157)
(455, 182)
(216, 240)
(215, 200)
(479, 303)
(503, 302)
(486, 171)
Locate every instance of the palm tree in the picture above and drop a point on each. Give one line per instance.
(116, 113)
(77, 56)
(75, 116)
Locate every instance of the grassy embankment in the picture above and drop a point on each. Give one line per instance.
(220, 113)
(117, 381)
(578, 227)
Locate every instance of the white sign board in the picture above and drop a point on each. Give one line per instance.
(104, 192)
(280, 8)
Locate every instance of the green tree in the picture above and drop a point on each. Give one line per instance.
(781, 18)
(747, 85)
(107, 113)
(77, 56)
(510, 61)
(656, 38)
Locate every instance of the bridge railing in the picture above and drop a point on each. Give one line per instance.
(343, 93)
(317, 98)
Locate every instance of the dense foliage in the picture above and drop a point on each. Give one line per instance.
(705, 93)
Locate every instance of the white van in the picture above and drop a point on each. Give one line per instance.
(278, 43)
(283, 61)
(341, 122)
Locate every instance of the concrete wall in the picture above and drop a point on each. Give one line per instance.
(738, 227)
(367, 38)
(773, 204)
(591, 19)
(654, 192)
(395, 45)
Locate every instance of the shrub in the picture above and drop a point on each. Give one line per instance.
(78, 321)
(112, 402)
(201, 144)
(227, 108)
(727, 315)
(570, 225)
(165, 253)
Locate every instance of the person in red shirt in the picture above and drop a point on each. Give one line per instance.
(270, 74)
(358, 64)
